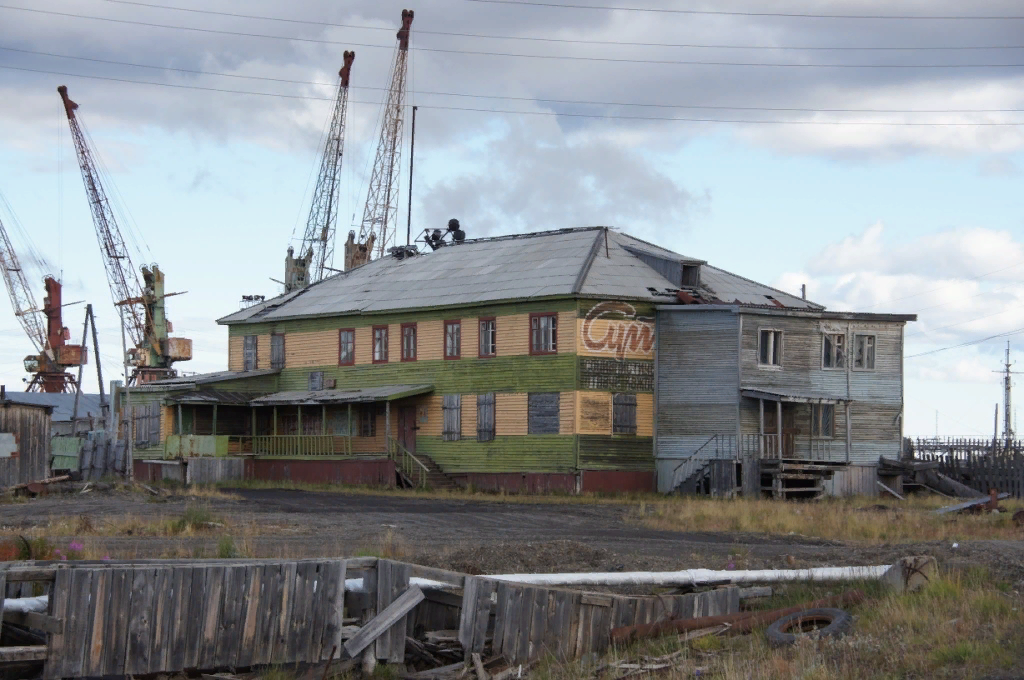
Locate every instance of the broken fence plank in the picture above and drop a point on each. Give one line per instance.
(27, 653)
(969, 504)
(34, 620)
(381, 623)
(889, 491)
(481, 674)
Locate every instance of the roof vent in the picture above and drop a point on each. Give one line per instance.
(435, 238)
(402, 252)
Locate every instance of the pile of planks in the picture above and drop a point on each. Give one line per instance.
(915, 475)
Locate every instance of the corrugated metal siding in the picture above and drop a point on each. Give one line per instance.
(698, 380)
(621, 452)
(594, 413)
(567, 413)
(235, 353)
(510, 414)
(535, 453)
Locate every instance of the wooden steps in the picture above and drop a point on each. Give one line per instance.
(797, 479)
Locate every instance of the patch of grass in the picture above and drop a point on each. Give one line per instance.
(226, 548)
(389, 545)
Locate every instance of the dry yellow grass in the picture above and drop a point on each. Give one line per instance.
(839, 519)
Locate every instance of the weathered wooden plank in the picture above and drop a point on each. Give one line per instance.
(3, 591)
(35, 620)
(226, 651)
(20, 574)
(211, 616)
(385, 595)
(140, 620)
(102, 582)
(24, 653)
(300, 612)
(181, 617)
(80, 627)
(443, 575)
(400, 577)
(334, 601)
(500, 611)
(538, 623)
(522, 649)
(59, 610)
(384, 621)
(270, 610)
(466, 626)
(482, 619)
(313, 637)
(160, 620)
(289, 586)
(198, 607)
(117, 621)
(512, 622)
(251, 607)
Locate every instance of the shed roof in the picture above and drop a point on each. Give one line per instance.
(185, 382)
(63, 405)
(586, 262)
(795, 396)
(350, 396)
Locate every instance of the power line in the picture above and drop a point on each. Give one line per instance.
(669, 62)
(579, 41)
(951, 285)
(792, 15)
(959, 323)
(532, 113)
(504, 97)
(968, 343)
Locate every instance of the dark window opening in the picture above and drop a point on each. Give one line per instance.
(485, 417)
(543, 413)
(249, 357)
(451, 409)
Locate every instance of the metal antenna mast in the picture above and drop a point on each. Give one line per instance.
(316, 255)
(1007, 388)
(143, 307)
(380, 216)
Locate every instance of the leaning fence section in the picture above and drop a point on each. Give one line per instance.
(997, 468)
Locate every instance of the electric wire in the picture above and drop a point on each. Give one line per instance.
(969, 343)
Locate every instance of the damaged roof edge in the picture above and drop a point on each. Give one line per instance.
(778, 311)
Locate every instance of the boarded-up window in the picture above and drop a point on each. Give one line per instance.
(380, 344)
(146, 422)
(488, 337)
(485, 417)
(823, 420)
(368, 421)
(249, 353)
(316, 380)
(624, 414)
(543, 413)
(451, 409)
(543, 333)
(346, 347)
(452, 339)
(833, 351)
(277, 350)
(864, 352)
(595, 416)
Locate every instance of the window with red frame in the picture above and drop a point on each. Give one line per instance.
(380, 344)
(543, 333)
(346, 347)
(452, 339)
(409, 342)
(488, 337)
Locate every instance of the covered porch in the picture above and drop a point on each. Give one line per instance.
(796, 425)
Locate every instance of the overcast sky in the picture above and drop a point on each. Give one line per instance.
(886, 180)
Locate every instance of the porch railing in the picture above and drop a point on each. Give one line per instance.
(408, 464)
(719, 446)
(291, 445)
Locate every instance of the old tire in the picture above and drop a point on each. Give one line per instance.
(818, 623)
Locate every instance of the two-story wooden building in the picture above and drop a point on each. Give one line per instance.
(534, 361)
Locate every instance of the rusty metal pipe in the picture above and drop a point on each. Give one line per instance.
(741, 622)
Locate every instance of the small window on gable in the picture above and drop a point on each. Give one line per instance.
(864, 352)
(277, 350)
(691, 276)
(316, 380)
(823, 420)
(543, 413)
(409, 342)
(769, 347)
(380, 344)
(833, 350)
(451, 424)
(249, 356)
(624, 414)
(452, 339)
(485, 417)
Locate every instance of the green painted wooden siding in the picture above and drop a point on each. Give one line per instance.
(531, 453)
(616, 452)
(410, 316)
(551, 373)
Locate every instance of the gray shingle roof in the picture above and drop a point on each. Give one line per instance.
(562, 262)
(63, 405)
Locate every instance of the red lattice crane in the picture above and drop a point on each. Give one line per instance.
(316, 255)
(380, 216)
(44, 327)
(144, 314)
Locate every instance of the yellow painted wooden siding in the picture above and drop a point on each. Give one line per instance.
(166, 422)
(263, 351)
(567, 413)
(364, 345)
(513, 335)
(430, 342)
(615, 338)
(302, 350)
(235, 350)
(435, 417)
(510, 414)
(566, 332)
(395, 342)
(377, 444)
(469, 416)
(594, 413)
(471, 337)
(644, 415)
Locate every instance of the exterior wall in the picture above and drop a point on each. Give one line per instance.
(698, 382)
(531, 482)
(608, 481)
(31, 428)
(855, 480)
(877, 395)
(351, 472)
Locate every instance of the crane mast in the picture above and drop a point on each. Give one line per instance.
(380, 216)
(142, 306)
(45, 328)
(316, 255)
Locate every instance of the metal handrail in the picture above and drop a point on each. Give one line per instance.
(407, 462)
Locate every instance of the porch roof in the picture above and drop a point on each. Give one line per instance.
(793, 396)
(222, 397)
(342, 396)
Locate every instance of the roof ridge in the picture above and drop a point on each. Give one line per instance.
(764, 285)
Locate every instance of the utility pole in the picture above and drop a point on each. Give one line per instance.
(104, 409)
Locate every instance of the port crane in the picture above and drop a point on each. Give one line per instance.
(316, 254)
(43, 326)
(141, 303)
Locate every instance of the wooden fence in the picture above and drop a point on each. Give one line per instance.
(1001, 469)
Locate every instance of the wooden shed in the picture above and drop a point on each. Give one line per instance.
(24, 440)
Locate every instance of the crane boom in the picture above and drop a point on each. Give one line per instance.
(316, 254)
(378, 228)
(121, 273)
(22, 300)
